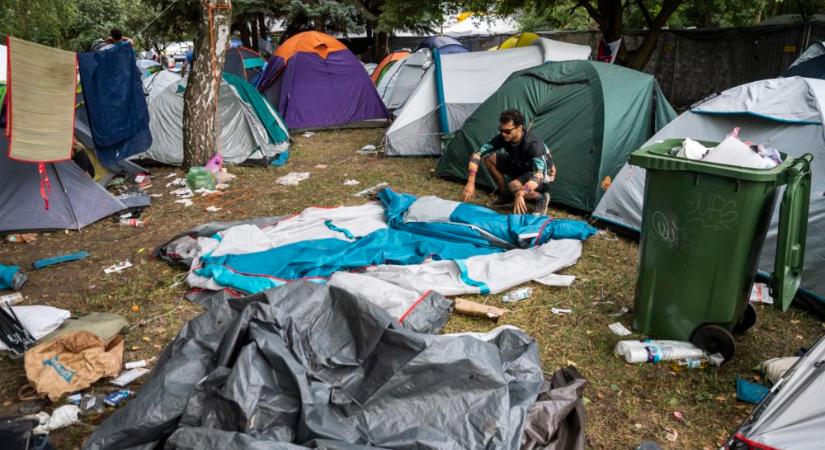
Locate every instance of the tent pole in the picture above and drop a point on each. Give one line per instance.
(66, 192)
(439, 92)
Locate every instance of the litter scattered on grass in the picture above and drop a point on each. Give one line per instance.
(292, 178)
(368, 149)
(184, 201)
(184, 192)
(561, 311)
(172, 175)
(351, 182)
(213, 209)
(61, 417)
(128, 376)
(28, 238)
(517, 295)
(118, 267)
(308, 134)
(372, 190)
(761, 293)
(622, 311)
(176, 182)
(618, 329)
(556, 280)
(115, 398)
(321, 166)
(469, 308)
(135, 364)
(46, 262)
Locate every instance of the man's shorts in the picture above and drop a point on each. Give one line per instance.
(506, 166)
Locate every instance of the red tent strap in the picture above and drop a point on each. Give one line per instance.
(45, 184)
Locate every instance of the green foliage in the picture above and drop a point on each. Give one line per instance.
(558, 16)
(43, 21)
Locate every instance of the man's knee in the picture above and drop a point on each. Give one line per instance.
(490, 161)
(514, 186)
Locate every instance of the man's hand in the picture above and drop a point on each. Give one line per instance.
(469, 192)
(519, 205)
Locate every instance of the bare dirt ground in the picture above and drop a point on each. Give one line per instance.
(625, 404)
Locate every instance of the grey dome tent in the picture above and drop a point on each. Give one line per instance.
(400, 80)
(75, 200)
(784, 113)
(249, 132)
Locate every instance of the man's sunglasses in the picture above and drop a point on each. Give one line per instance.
(506, 131)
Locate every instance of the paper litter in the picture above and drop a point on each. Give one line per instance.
(176, 182)
(213, 208)
(128, 376)
(171, 175)
(184, 201)
(368, 149)
(309, 134)
(118, 267)
(371, 191)
(182, 192)
(561, 311)
(292, 178)
(761, 293)
(556, 280)
(60, 418)
(321, 166)
(618, 329)
(351, 182)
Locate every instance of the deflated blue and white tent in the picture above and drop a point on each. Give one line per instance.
(400, 244)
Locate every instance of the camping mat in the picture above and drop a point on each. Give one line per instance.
(41, 89)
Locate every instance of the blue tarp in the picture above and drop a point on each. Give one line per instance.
(466, 234)
(116, 106)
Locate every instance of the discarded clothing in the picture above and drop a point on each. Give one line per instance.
(115, 104)
(305, 365)
(72, 363)
(102, 324)
(41, 94)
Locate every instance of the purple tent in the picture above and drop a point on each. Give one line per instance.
(316, 82)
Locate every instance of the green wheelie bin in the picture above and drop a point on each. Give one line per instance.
(703, 226)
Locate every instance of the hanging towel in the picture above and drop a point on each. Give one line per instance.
(114, 100)
(41, 89)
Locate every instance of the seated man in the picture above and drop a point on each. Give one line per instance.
(519, 163)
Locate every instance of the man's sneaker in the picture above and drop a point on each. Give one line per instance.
(540, 209)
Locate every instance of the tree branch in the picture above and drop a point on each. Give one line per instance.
(368, 15)
(591, 10)
(646, 14)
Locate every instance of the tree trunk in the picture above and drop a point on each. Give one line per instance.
(382, 41)
(252, 24)
(200, 102)
(639, 58)
(246, 37)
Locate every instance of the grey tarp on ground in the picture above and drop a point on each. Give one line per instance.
(314, 366)
(792, 417)
(785, 113)
(75, 199)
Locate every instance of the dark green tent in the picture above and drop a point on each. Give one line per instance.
(591, 115)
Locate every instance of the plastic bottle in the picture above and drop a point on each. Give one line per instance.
(11, 299)
(131, 222)
(701, 362)
(517, 295)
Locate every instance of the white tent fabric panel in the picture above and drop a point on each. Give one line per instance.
(622, 203)
(468, 80)
(401, 79)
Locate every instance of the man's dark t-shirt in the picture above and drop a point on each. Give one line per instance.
(528, 156)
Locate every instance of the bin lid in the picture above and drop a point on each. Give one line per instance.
(793, 227)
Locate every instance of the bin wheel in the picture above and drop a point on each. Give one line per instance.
(714, 339)
(747, 321)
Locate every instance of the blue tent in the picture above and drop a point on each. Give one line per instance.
(444, 44)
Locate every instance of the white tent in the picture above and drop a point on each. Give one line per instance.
(400, 80)
(242, 136)
(482, 26)
(468, 79)
(784, 113)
